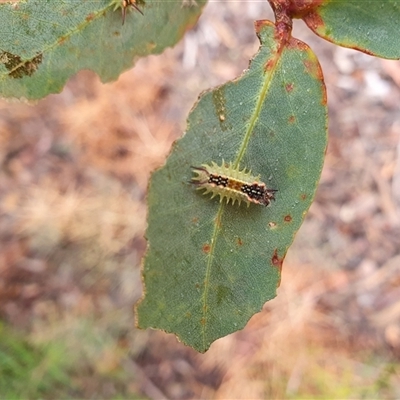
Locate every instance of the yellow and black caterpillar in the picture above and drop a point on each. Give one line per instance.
(232, 184)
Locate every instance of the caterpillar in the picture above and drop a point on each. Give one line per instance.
(232, 184)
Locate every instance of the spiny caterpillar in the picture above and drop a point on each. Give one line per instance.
(232, 184)
(124, 5)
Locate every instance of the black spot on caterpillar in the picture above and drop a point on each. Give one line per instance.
(232, 184)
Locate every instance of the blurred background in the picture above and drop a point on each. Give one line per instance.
(74, 171)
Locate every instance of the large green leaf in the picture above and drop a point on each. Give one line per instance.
(44, 42)
(368, 25)
(210, 266)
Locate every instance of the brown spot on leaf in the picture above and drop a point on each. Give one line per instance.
(195, 220)
(62, 39)
(17, 67)
(289, 87)
(277, 262)
(292, 119)
(303, 196)
(269, 65)
(90, 17)
(203, 321)
(188, 315)
(206, 248)
(239, 241)
(288, 218)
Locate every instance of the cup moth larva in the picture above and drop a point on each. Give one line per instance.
(232, 184)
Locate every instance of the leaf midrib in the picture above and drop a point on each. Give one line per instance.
(253, 119)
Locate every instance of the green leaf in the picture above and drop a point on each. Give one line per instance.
(370, 26)
(210, 266)
(45, 42)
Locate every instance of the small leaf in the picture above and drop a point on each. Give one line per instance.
(369, 26)
(45, 42)
(209, 265)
